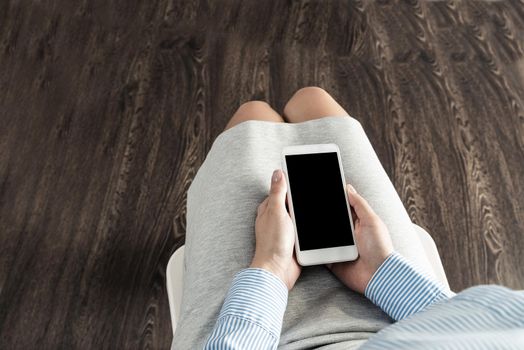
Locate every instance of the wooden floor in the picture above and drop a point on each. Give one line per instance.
(108, 108)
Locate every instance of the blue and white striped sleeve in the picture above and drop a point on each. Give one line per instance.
(252, 313)
(401, 289)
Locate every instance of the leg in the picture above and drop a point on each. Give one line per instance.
(254, 110)
(311, 103)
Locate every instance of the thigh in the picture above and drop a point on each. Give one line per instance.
(254, 110)
(311, 103)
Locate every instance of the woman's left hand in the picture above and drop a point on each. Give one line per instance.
(275, 234)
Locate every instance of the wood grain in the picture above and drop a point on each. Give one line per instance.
(107, 110)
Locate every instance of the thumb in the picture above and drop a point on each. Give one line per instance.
(359, 204)
(277, 192)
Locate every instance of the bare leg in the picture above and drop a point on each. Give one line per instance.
(254, 110)
(311, 103)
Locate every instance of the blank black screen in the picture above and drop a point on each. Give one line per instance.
(317, 191)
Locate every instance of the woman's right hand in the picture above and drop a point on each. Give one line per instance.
(373, 243)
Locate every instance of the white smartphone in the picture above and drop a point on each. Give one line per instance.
(318, 204)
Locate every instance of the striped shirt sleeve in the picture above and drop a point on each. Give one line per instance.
(252, 313)
(480, 318)
(402, 289)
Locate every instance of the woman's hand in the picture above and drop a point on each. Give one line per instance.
(373, 243)
(275, 234)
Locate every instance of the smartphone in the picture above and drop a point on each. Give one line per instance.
(318, 204)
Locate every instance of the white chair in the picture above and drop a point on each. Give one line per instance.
(174, 281)
(175, 272)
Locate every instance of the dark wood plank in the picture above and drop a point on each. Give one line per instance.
(108, 109)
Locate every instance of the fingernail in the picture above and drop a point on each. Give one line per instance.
(351, 189)
(276, 175)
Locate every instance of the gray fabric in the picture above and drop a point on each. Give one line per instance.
(221, 211)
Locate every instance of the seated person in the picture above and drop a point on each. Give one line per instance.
(241, 284)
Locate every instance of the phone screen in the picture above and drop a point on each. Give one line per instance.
(319, 205)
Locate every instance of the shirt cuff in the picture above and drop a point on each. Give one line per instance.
(258, 296)
(401, 289)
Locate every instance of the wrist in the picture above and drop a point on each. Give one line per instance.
(401, 288)
(378, 270)
(379, 260)
(269, 266)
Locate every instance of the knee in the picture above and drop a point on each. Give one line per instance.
(251, 108)
(311, 92)
(309, 95)
(311, 103)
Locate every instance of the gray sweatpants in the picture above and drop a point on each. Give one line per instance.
(221, 211)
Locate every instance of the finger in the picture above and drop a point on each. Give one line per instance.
(262, 206)
(354, 215)
(295, 258)
(359, 204)
(277, 192)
